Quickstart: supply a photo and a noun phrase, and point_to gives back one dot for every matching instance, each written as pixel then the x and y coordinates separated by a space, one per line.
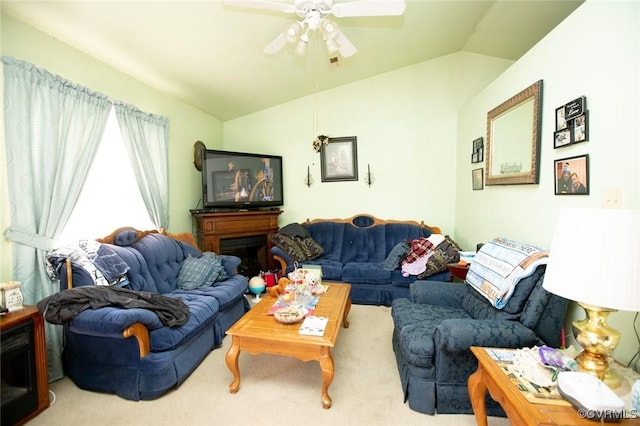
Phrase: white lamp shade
pixel 594 258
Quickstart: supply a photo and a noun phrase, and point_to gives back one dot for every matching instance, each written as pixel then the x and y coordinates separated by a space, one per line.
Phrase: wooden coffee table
pixel 257 332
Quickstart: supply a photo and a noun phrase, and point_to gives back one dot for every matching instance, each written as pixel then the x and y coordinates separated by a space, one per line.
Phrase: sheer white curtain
pixel 146 136
pixel 52 131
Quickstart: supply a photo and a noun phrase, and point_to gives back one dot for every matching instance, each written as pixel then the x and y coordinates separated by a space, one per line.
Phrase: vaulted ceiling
pixel 210 54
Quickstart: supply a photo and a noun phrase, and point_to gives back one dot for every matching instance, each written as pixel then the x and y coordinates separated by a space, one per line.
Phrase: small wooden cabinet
pixel 24 348
pixel 217 231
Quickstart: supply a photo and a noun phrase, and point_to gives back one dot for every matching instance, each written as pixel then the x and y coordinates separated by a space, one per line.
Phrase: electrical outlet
pixel 613 198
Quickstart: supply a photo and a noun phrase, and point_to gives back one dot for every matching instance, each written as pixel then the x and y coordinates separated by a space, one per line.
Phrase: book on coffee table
pixel 313 326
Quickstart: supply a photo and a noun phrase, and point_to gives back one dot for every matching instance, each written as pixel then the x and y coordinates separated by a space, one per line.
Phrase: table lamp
pixel 594 259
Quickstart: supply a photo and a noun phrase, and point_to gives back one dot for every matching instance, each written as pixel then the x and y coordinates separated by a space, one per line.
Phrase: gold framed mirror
pixel 513 139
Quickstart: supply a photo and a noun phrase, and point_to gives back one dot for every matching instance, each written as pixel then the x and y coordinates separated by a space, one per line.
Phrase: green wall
pixel 594 53
pixel 186 123
pixel 405 122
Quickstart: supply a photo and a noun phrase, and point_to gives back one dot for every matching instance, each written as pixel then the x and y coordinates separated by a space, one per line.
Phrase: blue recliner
pixel 436 325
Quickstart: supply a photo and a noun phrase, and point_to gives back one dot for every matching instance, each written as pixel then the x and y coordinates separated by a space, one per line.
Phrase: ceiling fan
pixel 314 16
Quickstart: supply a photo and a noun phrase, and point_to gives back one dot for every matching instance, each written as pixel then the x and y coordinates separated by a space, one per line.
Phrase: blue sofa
pixel 130 352
pixel 435 327
pixel 354 250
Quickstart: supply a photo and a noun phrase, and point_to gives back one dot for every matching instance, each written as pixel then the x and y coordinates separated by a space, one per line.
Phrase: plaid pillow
pixel 200 271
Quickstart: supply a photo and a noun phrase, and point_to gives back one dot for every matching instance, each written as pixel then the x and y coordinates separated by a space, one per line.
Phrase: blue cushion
pixel 202 313
pixel 365 273
pixel 227 292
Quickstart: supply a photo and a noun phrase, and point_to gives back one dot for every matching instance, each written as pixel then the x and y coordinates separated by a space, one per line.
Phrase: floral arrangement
pixel 319 141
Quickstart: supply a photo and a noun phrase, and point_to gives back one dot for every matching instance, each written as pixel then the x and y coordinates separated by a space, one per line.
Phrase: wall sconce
pixel 368 178
pixel 308 179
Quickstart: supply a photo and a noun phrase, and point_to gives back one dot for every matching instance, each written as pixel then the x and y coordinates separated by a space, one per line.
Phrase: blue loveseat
pixel 130 352
pixel 435 327
pixel 355 250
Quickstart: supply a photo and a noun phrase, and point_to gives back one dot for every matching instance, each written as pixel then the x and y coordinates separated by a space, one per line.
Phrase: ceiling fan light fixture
pixel 301 47
pixel 332 45
pixel 292 32
pixel 329 29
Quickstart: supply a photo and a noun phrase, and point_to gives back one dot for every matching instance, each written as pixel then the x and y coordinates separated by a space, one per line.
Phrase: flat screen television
pixel 240 180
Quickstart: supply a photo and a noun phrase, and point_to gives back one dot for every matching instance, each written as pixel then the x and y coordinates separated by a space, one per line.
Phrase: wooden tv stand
pixel 214 228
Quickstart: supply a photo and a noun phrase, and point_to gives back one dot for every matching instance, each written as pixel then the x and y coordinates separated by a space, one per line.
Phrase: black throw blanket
pixel 67 304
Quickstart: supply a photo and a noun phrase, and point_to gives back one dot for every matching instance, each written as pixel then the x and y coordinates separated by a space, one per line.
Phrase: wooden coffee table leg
pixel 327 367
pixel 477 392
pixel 231 360
pixel 347 308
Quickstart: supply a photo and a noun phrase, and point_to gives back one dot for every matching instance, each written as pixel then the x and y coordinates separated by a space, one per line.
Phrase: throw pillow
pixel 195 272
pixel 310 247
pixel 397 253
pixel 219 273
pixel 298 249
pixel 289 245
pixel 445 252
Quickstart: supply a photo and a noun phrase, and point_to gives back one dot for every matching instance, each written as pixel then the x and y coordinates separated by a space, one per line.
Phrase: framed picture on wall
pixel 561 138
pixel 477 154
pixel 339 160
pixel 477 179
pixel 572 123
pixel 572 175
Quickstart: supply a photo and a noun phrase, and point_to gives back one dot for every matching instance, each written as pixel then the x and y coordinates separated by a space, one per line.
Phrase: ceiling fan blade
pixel 368 8
pixel 346 48
pixel 261 4
pixel 276 45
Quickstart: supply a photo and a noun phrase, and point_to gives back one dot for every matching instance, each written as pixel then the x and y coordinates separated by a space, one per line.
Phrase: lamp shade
pixel 594 258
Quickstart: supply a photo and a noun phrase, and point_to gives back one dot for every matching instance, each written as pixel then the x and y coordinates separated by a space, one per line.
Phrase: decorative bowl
pixel 289 315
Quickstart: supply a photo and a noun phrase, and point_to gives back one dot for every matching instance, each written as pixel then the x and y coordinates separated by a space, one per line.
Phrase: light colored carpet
pixel 273 390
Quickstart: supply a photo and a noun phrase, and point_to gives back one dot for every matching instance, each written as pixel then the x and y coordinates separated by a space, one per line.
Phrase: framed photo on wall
pixel 477 154
pixel 572 175
pixel 339 160
pixel 477 179
pixel 572 123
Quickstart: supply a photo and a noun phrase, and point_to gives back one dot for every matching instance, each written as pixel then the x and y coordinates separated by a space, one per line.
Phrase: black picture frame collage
pixel 572 123
pixel 572 127
pixel 477 156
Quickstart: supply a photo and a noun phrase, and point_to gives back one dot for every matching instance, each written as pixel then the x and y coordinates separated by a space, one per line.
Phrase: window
pixel 110 197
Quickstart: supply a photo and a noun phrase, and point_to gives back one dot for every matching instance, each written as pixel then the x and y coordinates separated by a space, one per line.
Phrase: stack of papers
pixel 313 326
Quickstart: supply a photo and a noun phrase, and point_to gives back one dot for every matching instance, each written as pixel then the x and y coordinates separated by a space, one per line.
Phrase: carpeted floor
pixel 273 390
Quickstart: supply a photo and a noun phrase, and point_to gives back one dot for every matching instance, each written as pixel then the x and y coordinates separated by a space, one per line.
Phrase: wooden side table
pixel 457 270
pixel 490 377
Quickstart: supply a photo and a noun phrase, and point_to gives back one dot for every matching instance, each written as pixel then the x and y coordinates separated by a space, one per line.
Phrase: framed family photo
pixel 572 124
pixel 477 154
pixel 339 160
pixel 572 175
pixel 477 179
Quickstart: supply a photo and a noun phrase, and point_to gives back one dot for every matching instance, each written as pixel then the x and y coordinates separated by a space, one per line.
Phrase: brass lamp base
pixel 598 341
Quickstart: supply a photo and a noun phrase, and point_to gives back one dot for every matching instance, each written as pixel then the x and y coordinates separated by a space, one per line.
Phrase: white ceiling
pixel 210 55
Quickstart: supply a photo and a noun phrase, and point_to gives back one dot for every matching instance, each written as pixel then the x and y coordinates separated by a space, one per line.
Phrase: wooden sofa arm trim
pixel 69 273
pixel 283 263
pixel 140 332
pixel 377 221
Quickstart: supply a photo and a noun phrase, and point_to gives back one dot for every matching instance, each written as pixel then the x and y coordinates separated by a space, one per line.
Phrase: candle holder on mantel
pixel 368 179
